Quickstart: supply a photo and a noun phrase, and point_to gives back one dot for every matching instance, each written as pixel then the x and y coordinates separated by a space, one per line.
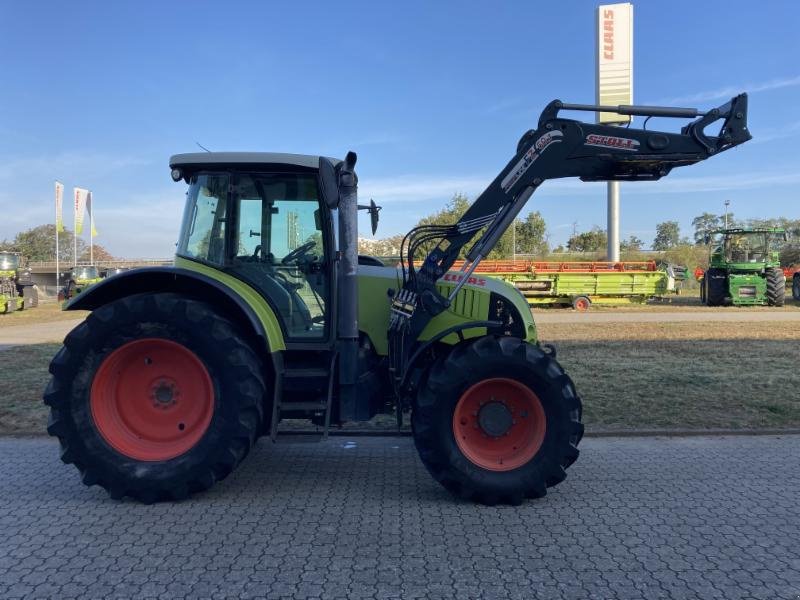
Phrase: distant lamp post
pixel 727 204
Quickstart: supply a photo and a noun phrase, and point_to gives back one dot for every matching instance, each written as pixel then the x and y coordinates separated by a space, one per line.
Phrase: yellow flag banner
pixel 80 206
pixel 59 207
pixel 91 214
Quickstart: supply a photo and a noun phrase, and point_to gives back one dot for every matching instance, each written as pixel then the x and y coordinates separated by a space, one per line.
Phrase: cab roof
pixel 200 160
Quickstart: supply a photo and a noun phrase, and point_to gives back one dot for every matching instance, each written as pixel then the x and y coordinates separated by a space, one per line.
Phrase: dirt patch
pixel 44 313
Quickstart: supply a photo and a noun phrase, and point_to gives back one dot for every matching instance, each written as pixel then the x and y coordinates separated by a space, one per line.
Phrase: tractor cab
pixel 263 219
pixel 85 274
pixel 9 262
pixel 110 272
pixel 747 248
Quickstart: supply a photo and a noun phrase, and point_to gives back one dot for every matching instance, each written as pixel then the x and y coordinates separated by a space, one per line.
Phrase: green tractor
pixel 745 269
pixel 17 291
pixel 80 278
pixel 269 313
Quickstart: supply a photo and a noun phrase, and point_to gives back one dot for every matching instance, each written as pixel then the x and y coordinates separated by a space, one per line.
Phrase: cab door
pixel 281 247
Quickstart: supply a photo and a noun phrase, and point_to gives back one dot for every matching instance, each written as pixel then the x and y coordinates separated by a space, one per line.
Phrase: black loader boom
pixel 557 148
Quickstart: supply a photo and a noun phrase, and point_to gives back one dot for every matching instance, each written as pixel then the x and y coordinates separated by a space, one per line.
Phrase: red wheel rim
pixel 582 304
pixel 152 399
pixel 515 435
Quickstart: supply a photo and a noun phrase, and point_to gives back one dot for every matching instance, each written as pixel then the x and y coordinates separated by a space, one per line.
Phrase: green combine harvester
pixel 268 313
pixel 17 291
pixel 745 269
pixel 80 278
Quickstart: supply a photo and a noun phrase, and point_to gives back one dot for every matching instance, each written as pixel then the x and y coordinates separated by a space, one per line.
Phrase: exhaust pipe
pixel 347 329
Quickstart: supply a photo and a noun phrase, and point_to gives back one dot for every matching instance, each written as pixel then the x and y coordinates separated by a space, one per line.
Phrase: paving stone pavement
pixel 636 518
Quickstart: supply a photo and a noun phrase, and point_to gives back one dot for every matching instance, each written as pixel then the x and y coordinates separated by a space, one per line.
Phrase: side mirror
pixel 707 238
pixel 328 180
pixel 373 214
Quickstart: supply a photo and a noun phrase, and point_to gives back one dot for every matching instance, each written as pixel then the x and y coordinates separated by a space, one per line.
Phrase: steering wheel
pixel 297 253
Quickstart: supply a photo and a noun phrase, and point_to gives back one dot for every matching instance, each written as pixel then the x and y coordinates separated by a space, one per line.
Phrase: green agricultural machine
pixel 80 278
pixel 268 313
pixel 583 284
pixel 17 291
pixel 745 268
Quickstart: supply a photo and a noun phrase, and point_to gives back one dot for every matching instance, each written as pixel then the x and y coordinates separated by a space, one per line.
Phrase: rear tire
pixel 166 425
pixel 796 287
pixel 776 287
pixel 716 282
pixel 503 467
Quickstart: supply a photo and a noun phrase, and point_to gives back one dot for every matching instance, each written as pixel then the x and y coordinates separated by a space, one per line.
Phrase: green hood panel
pixel 471 304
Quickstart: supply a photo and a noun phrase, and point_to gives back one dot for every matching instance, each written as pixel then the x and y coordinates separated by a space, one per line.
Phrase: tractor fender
pixel 241 303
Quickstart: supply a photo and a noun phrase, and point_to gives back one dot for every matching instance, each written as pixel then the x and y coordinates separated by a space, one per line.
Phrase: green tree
pixel 790 255
pixel 449 215
pixel 39 244
pixel 588 241
pixel 100 254
pixel 706 222
pixel 668 235
pixel 531 235
pixel 792 226
pixel 632 244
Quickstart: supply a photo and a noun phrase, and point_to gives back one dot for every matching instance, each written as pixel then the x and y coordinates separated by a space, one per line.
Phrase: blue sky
pixel 433 97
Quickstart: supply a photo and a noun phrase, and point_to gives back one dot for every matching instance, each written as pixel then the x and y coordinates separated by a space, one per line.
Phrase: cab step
pixel 281 407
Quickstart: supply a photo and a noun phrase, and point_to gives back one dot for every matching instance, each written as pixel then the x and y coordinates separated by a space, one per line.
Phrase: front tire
pixel 776 287
pixel 155 396
pixel 497 421
pixel 796 287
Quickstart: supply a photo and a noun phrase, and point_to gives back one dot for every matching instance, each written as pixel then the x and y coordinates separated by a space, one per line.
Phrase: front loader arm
pixel 557 148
